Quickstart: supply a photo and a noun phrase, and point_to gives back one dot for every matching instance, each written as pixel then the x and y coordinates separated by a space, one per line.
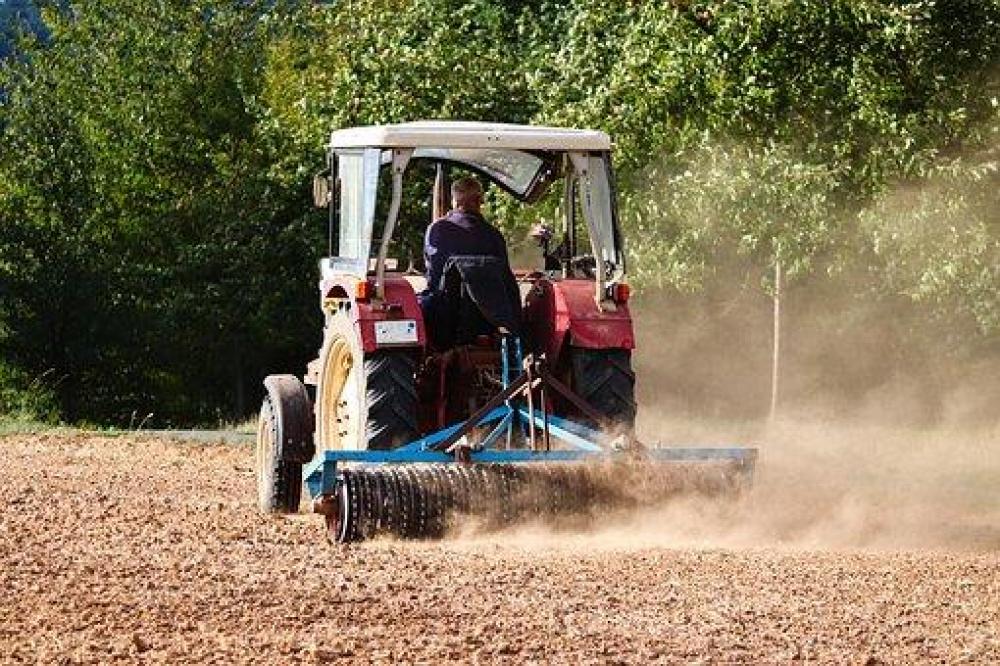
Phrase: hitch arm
pixel 577 401
pixel 473 421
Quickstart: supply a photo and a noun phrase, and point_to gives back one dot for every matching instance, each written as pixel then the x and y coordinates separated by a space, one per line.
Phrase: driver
pixel 463 231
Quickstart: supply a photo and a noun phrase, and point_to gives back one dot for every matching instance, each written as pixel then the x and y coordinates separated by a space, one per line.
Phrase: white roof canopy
pixel 461 134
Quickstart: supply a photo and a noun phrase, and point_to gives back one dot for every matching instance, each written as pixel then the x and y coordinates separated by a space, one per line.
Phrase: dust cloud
pixel 877 444
pixel 817 486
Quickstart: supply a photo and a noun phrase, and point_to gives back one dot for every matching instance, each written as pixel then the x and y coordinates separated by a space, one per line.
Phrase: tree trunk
pixel 776 336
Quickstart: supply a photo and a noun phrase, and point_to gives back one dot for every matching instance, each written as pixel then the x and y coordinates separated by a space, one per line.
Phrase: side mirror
pixel 321 189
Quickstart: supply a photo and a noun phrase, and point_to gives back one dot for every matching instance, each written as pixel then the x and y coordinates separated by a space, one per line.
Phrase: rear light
pixel 364 290
pixel 619 293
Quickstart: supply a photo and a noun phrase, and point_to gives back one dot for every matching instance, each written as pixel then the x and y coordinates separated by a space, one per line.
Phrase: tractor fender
pixel 561 311
pixel 294 418
pixel 339 298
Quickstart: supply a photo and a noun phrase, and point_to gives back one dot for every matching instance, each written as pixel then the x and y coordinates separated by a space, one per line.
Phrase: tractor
pixel 390 430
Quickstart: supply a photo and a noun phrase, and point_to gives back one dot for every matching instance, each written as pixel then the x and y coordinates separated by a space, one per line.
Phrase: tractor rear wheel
pixel 392 399
pixel 604 378
pixel 279 480
pixel 364 400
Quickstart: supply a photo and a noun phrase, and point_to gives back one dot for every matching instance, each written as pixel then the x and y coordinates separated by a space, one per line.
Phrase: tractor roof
pixel 462 134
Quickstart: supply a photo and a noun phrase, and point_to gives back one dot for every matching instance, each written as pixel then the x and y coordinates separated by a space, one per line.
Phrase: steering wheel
pixel 586 265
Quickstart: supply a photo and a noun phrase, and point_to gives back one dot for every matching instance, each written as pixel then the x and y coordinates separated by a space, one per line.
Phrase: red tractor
pixel 378 384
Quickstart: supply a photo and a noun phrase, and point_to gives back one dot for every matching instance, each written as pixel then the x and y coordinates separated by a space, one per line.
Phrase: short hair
pixel 465 188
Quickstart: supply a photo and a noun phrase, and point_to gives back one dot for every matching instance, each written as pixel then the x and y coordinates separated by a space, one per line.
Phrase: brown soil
pixel 123 549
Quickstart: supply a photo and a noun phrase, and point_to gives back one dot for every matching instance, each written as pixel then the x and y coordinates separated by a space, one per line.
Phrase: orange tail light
pixel 364 290
pixel 620 293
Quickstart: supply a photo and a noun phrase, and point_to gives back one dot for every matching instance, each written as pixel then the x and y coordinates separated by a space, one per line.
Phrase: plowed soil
pixel 122 549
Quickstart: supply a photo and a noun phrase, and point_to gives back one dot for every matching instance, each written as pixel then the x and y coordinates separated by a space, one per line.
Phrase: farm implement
pixel 405 421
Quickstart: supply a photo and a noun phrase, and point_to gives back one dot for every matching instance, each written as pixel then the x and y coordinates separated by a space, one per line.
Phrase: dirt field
pixel 114 549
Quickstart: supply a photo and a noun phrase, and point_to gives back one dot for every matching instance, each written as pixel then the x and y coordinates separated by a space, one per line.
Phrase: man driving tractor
pixel 466 256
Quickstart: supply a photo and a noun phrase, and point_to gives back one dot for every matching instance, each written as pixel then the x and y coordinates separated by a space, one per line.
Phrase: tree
pixel 159 252
pixel 149 249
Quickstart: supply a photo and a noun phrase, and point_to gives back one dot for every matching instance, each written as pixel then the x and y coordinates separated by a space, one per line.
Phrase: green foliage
pixel 763 132
pixel 635 70
pixel 375 61
pixel 158 251
pixel 940 244
pixel 147 248
pixel 760 204
pixel 26 400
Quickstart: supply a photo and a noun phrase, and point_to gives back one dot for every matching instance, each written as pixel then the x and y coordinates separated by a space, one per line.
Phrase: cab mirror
pixel 321 190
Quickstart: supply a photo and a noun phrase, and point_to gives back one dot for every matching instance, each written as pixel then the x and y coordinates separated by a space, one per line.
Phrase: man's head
pixel 467 195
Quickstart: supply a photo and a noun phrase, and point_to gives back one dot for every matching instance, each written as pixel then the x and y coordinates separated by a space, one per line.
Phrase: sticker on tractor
pixel 395 332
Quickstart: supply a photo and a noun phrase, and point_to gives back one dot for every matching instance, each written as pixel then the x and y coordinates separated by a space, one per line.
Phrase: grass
pixel 248 426
pixel 18 424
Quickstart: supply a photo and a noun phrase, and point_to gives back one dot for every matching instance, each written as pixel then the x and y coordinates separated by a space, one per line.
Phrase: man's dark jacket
pixel 459 233
pixel 462 237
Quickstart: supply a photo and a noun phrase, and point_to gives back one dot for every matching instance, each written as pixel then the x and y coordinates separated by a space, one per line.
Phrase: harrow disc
pixel 420 501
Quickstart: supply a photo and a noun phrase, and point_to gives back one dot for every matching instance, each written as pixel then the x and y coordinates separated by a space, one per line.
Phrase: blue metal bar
pixel 557 430
pixel 505 362
pixel 401 455
pixel 443 434
pixel 486 455
pixel 320 475
pixel 521 455
pixel 519 358
pixel 580 430
pixel 501 429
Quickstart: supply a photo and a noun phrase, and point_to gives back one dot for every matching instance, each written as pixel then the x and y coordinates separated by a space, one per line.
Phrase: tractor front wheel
pixel 365 401
pixel 279 480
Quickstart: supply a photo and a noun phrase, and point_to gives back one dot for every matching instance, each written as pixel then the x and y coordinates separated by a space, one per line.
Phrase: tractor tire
pixel 364 400
pixel 279 480
pixel 293 410
pixel 392 399
pixel 605 380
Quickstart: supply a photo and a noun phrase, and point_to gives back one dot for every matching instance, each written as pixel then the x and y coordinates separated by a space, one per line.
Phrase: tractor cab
pixel 369 163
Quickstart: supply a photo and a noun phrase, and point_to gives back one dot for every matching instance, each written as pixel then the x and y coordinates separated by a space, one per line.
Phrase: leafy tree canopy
pixel 158 251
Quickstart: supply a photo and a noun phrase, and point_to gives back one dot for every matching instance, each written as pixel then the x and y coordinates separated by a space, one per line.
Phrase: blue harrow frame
pixel 514 409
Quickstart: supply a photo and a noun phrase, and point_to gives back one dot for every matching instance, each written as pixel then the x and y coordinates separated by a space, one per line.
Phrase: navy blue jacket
pixel 459 233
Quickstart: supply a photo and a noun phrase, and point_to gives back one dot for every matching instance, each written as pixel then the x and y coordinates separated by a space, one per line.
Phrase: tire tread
pixel 392 399
pixel 283 478
pixel 605 380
